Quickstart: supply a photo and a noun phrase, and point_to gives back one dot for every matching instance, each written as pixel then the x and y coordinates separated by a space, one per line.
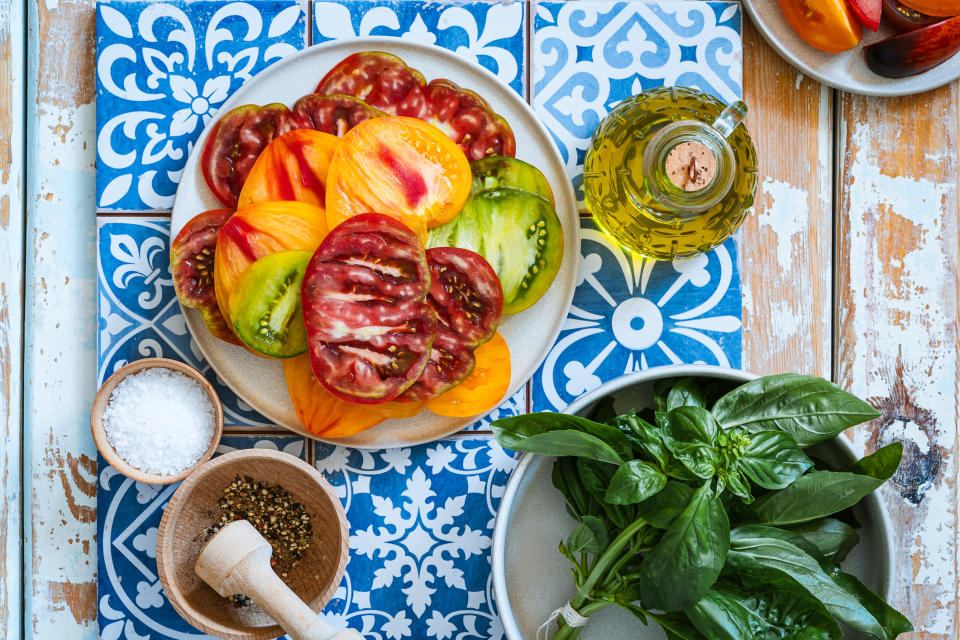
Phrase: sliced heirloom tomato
pixel 943 8
pixel 236 141
pixel 192 265
pixel 335 114
pixel 292 167
pixel 498 172
pixel 385 82
pixel 368 326
pixel 258 230
pixel 265 307
pixel 466 296
pixel 327 416
pixel 828 25
pixel 483 389
pixel 518 233
pixel 403 167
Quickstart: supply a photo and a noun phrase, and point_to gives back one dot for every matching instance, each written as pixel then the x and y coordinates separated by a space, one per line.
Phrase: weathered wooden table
pixel 849 268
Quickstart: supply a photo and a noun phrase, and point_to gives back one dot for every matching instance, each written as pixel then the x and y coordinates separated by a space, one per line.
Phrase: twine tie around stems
pixel 570 615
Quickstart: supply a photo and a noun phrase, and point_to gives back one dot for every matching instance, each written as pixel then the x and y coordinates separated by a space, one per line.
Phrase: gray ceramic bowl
pixel 531 578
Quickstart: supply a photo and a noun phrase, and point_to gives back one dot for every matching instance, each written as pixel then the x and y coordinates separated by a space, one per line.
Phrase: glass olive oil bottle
pixel 671 172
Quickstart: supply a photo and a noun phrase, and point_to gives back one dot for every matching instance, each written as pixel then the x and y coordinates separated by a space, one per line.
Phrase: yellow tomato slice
pixel 292 167
pixel 483 389
pixel 325 415
pixel 828 25
pixel 401 167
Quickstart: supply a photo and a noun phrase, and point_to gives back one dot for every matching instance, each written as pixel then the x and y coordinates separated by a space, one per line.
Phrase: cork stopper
pixel 690 166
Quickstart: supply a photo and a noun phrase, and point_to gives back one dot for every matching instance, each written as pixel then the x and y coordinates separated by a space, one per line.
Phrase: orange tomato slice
pixel 483 389
pixel 330 417
pixel 828 25
pixel 934 7
pixel 401 167
pixel 292 167
pixel 258 230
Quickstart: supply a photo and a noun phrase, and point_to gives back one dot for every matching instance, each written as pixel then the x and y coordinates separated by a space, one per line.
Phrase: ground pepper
pixel 282 521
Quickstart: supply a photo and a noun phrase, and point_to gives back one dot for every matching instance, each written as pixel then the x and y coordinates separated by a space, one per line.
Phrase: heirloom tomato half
pixel 483 389
pixel 402 167
pixel 258 230
pixel 326 415
pixel 828 25
pixel 368 326
pixel 192 264
pixel 292 167
pixel 335 114
pixel 236 141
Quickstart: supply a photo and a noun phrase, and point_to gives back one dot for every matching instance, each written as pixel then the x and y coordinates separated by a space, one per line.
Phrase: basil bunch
pixel 705 515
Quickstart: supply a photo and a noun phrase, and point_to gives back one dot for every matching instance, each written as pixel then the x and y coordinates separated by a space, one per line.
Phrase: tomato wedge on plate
pixel 258 230
pixel 292 167
pixel 483 389
pixel 236 141
pixel 368 327
pixel 328 416
pixel 399 166
pixel 828 25
pixel 335 114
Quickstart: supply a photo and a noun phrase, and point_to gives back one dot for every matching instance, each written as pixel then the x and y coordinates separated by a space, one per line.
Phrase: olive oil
pixel 671 172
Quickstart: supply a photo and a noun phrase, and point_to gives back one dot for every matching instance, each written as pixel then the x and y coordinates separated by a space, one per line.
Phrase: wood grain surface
pixel 896 338
pixel 11 310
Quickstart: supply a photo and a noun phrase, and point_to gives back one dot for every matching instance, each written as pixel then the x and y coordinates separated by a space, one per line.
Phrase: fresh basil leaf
pixel 644 437
pixel 881 464
pixel 834 539
pixel 893 622
pixel 719 616
pixel 603 410
pixel 559 434
pixel 595 476
pixel 689 557
pixel 809 409
pixel 760 531
pixel 633 482
pixel 590 536
pixel 812 496
pixel 676 626
pixel 761 556
pixel 687 392
pixel 566 478
pixel 660 509
pixel 689 433
pixel 736 484
pixel 661 389
pixel 773 459
pixel 782 604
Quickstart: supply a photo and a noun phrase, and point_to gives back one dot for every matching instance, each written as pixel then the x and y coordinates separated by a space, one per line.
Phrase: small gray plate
pixel 848 70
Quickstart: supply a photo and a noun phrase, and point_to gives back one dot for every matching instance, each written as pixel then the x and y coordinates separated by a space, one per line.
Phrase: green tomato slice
pixel 265 307
pixel 518 233
pixel 497 172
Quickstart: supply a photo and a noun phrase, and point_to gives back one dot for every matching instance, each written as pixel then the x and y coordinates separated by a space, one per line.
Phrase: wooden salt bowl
pixel 192 509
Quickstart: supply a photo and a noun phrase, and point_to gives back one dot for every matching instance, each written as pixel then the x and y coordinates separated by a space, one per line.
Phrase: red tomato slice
pixel 385 82
pixel 465 292
pixel 236 141
pixel 292 167
pixel 399 166
pixel 451 361
pixel 192 264
pixel 330 417
pixel 258 230
pixel 483 389
pixel 335 114
pixel 368 326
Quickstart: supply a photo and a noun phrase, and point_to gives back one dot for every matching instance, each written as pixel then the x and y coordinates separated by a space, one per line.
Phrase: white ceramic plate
pixel 531 578
pixel 529 334
pixel 848 70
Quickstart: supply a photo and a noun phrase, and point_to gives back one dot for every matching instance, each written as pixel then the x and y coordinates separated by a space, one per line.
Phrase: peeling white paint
pixel 786 215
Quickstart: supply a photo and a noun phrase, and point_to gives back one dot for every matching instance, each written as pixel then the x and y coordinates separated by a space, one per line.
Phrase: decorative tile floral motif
pixel 421 521
pixel 630 313
pixel 586 56
pixel 489 33
pixel 139 316
pixel 131 602
pixel 163 69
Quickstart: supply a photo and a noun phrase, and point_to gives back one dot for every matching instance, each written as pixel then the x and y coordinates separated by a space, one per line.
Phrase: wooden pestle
pixel 237 560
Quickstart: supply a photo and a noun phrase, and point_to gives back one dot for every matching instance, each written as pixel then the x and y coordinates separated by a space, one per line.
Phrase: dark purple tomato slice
pixel 451 361
pixel 385 82
pixel 236 141
pixel 335 114
pixel 191 263
pixel 903 18
pixel 466 293
pixel 913 52
pixel 369 327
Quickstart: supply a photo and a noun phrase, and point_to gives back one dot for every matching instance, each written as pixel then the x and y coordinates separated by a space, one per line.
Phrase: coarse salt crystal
pixel 159 421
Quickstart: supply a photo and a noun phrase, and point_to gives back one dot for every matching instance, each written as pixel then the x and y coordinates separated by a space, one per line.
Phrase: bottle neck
pixel 688 167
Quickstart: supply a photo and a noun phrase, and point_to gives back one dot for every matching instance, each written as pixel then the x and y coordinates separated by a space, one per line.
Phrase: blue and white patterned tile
pixel 139 316
pixel 131 601
pixel 492 34
pixel 587 56
pixel 163 69
pixel 421 521
pixel 630 313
